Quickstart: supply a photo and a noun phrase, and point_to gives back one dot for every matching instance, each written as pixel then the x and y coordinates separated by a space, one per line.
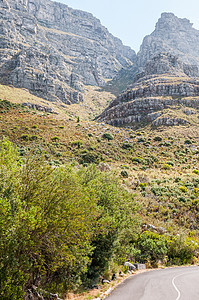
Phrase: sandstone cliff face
pixel 171 35
pixel 54 51
pixel 166 83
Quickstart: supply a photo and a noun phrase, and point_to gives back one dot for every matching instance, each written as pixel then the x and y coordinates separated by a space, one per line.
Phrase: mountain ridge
pixel 171 35
pixel 54 51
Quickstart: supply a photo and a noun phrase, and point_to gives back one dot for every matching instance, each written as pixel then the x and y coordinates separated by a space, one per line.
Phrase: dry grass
pixel 94 102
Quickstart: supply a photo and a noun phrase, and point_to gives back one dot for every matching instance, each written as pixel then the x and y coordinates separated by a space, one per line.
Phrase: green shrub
pixel 188 142
pixel 196 172
pixel 167 144
pixel 153 247
pixel 127 146
pixel 90 157
pixel 143 185
pixel 183 189
pixel 107 136
pixel 124 174
pixel 55 138
pixel 182 199
pixel 137 159
pixel 166 166
pixel 78 143
pixel 141 140
pixel 157 139
pixel 33 138
pixel 25 137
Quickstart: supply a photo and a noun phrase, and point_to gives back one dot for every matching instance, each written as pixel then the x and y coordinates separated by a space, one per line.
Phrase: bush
pixel 127 146
pixel 153 247
pixel 90 157
pixel 33 138
pixel 183 189
pixel 143 185
pixel 124 174
pixel 137 159
pixel 55 138
pixel 181 250
pixel 57 224
pixel 25 137
pixel 77 143
pixel 166 166
pixel 157 139
pixel 107 136
pixel 196 172
pixel 188 142
pixel 182 199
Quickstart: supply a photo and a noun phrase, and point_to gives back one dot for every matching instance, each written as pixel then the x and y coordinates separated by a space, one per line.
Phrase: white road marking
pixel 175 287
pixel 173 282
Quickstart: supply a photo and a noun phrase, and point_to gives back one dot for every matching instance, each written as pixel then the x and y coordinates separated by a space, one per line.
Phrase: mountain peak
pixel 169 21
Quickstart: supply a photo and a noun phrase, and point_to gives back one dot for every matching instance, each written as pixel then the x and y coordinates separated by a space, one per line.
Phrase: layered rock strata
pixel 154 92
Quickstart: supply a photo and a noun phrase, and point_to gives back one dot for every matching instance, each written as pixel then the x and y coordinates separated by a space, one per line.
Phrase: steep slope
pixel 53 50
pixel 165 93
pixel 171 35
pixel 174 35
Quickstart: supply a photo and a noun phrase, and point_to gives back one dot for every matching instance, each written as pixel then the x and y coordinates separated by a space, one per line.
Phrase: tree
pixel 117 222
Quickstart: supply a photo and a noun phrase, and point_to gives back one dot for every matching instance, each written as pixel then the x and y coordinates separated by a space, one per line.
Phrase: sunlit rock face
pixel 165 83
pixel 171 35
pixel 54 50
pixel 174 35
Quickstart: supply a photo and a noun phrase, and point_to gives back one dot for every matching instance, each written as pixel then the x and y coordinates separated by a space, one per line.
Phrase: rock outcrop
pixel 165 83
pixel 53 50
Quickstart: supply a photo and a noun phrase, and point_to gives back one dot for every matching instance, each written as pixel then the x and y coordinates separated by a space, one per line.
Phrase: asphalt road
pixel 181 283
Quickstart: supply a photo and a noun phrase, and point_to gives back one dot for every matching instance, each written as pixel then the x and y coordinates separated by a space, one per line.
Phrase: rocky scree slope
pixel 171 35
pixel 163 94
pixel 53 50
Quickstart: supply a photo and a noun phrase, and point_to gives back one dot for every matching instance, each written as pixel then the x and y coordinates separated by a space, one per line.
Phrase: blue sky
pixel 131 20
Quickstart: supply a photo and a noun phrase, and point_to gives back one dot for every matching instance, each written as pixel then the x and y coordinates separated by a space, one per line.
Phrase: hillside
pixel 157 161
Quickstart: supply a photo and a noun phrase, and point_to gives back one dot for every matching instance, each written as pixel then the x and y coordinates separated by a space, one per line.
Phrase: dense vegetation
pixel 78 199
pixel 58 223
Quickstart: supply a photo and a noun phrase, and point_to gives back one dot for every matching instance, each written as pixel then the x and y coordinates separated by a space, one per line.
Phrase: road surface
pixel 181 283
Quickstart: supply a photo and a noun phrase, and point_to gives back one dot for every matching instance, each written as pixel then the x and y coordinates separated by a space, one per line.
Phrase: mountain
pixel 165 93
pixel 54 51
pixel 78 198
pixel 171 35
pixel 163 83
pixel 174 35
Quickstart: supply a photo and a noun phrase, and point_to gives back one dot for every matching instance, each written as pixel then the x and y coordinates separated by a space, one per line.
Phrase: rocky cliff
pixel 171 35
pixel 54 50
pixel 165 83
pixel 174 35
